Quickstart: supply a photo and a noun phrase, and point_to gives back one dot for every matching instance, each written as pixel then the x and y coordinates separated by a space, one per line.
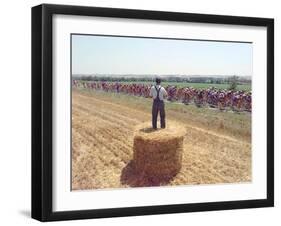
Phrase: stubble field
pixel 217 146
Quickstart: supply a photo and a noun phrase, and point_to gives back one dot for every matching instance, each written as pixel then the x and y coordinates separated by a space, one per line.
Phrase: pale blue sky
pixel 125 55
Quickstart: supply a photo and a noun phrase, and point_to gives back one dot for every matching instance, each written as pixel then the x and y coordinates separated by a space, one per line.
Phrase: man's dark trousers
pixel 158 106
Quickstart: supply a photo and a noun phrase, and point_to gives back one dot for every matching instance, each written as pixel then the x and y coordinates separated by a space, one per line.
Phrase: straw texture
pixel 158 153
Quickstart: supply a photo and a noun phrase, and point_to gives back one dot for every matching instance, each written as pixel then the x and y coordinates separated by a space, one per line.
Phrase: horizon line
pixel 132 74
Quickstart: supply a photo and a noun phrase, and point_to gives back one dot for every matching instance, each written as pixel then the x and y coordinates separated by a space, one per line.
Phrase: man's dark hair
pixel 158 80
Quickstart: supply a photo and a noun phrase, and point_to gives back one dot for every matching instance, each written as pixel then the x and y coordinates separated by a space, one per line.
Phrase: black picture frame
pixel 42 107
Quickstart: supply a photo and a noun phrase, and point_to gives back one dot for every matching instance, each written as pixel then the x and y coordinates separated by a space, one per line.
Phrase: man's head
pixel 158 81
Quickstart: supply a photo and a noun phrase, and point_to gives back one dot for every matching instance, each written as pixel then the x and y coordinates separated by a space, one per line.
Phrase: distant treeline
pixel 210 80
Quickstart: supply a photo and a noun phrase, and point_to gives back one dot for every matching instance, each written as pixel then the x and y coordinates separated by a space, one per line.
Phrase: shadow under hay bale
pixel 133 178
pixel 157 155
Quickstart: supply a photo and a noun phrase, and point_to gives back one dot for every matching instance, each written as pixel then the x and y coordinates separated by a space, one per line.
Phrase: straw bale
pixel 158 153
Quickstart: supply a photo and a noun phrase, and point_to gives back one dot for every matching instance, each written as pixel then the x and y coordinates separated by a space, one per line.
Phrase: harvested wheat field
pixel 216 145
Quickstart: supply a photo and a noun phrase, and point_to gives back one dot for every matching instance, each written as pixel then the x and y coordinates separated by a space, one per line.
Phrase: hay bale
pixel 158 153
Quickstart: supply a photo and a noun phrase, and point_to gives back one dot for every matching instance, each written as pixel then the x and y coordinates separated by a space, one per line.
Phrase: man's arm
pixel 165 94
pixel 151 91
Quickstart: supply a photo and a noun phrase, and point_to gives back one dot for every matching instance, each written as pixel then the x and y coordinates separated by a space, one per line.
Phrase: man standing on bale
pixel 158 93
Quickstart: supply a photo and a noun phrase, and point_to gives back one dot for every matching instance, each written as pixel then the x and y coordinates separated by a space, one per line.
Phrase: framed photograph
pixel 139 112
